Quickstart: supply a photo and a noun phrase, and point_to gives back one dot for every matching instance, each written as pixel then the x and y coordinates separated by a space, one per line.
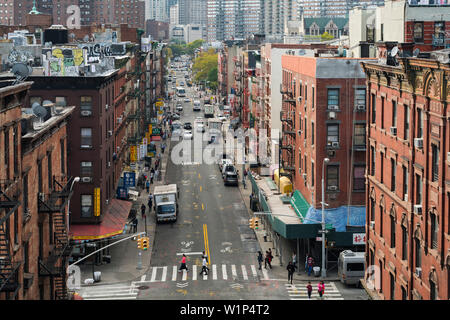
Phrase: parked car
pixel 200 127
pixel 175 116
pixel 187 135
pixel 187 100
pixel 223 162
pixel 227 168
pixel 231 178
pixel 187 126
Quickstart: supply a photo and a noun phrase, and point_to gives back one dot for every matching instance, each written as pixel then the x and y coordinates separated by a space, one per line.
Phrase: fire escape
pixel 9 203
pixel 287 117
pixel 54 265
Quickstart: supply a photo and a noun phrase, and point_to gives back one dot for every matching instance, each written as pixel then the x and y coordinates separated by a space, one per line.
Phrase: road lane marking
pixel 143 278
pixel 194 272
pixel 255 274
pixel 266 275
pixel 154 271
pixel 224 272
pixel 188 253
pixel 184 275
pixel 233 271
pixel 205 235
pixel 174 273
pixel 214 272
pixel 164 274
pixel 244 272
pixel 200 188
pixel 203 207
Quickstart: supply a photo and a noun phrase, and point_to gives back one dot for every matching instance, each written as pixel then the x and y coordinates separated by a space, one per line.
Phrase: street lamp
pixel 324 271
pixel 76 179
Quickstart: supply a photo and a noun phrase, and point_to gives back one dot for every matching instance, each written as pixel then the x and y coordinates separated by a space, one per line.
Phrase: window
pixel 419 123
pixel 306 165
pixel 25 193
pixel 16 151
pixel 439 33
pixel 405 183
pixel 306 128
pixel 360 95
pixel 86 137
pixel 434 163
pixel 406 128
pixel 40 187
pixel 49 170
pixel 382 112
pixel 312 133
pixel 392 231
pixel 404 243
pixel 392 288
pixel 382 32
pixel 358 178
pixel 394 114
pixel 418 189
pixel 418 32
pixel 404 294
pixel 393 174
pixel 355 266
pixel 372 159
pixel 374 108
pixel 332 177
pixel 312 174
pixel 333 98
pixel 26 258
pixel 63 153
pixel 360 135
pixel 312 98
pixel 60 101
pixel 372 209
pixel 35 99
pixel 381 221
pixel 381 275
pixel 86 103
pixel 16 227
pixel 86 205
pixel 434 231
pixel 86 169
pixel 418 260
pixel 433 290
pixel 370 33
pixel 382 168
pixel 332 133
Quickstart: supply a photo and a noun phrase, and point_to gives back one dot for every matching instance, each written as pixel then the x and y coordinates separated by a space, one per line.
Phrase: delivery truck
pixel 166 202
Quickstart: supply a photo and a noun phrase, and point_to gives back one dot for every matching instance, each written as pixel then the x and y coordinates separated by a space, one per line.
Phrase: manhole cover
pixel 143 287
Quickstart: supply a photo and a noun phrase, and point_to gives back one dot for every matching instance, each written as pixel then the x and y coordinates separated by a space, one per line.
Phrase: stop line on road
pixel 299 292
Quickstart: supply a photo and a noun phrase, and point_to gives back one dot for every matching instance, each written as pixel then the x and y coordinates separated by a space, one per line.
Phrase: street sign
pixel 133 153
pixel 129 179
pixel 359 238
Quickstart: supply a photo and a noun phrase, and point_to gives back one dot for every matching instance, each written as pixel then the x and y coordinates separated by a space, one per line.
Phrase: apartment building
pixel 408 176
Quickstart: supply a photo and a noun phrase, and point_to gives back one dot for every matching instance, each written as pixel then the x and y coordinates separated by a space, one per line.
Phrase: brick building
pixel 323 116
pixel 408 177
pixel 34 191
pixel 158 30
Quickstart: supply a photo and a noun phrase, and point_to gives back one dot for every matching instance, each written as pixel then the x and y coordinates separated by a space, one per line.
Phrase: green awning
pixel 299 204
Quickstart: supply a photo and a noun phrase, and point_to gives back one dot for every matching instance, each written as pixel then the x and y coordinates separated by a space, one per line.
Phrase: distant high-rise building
pixel 229 19
pixel 333 8
pixel 174 14
pixel 277 13
pixel 192 11
pixel 91 12
pixel 156 10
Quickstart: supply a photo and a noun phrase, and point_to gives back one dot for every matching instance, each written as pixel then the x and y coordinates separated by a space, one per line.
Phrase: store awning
pixel 300 204
pixel 113 223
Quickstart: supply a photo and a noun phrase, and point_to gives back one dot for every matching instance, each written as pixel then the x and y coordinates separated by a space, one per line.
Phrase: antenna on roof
pixel 21 71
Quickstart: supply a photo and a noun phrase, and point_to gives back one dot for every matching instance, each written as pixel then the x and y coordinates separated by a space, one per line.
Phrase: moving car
pixel 179 107
pixel 187 100
pixel 187 135
pixel 197 105
pixel 228 168
pixel 223 162
pixel 231 178
pixel 200 127
pixel 175 116
pixel 187 126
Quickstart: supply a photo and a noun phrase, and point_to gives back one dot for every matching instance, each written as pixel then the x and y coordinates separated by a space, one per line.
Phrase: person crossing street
pixel 183 264
pixel 205 269
pixel 260 259
pixel 291 269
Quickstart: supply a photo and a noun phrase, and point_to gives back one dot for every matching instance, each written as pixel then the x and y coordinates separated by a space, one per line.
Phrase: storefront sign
pixel 129 179
pixel 97 202
pixel 133 153
pixel 359 238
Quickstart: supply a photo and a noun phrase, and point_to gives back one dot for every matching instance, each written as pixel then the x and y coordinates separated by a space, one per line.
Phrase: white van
pixel 197 105
pixel 351 267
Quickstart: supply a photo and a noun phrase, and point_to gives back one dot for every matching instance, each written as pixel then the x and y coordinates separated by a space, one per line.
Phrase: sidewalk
pixel 277 271
pixel 124 256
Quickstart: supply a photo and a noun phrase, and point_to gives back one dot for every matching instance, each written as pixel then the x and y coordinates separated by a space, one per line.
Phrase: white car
pixel 187 100
pixel 200 127
pixel 223 162
pixel 187 135
pixel 222 118
pixel 179 108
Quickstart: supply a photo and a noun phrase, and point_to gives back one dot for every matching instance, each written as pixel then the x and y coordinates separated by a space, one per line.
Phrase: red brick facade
pixel 408 218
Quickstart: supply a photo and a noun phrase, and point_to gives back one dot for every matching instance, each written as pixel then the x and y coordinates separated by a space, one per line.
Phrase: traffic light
pixel 251 223
pixel 140 243
pixel 145 242
pixel 256 222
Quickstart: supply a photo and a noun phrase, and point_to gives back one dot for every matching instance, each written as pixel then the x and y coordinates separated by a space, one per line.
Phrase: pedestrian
pixel 260 259
pixel 309 289
pixel 143 210
pixel 294 260
pixel 321 288
pixel 156 164
pixel 306 262
pixel 157 175
pixel 150 203
pixel 245 174
pixel 147 185
pixel 183 264
pixel 205 269
pixel 268 259
pixel 151 176
pixel 163 146
pixel 291 269
pixel 310 265
pixel 204 256
pixel 135 224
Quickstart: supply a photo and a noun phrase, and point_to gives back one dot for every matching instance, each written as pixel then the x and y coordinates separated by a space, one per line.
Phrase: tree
pixel 205 67
pixel 326 36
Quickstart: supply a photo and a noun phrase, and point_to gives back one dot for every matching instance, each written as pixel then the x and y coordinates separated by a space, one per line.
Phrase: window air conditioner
pixel 106 107
pixel 299 99
pixel 372 224
pixel 86 113
pixel 332 188
pixel 418 143
pixel 418 209
pixel 394 131
pixel 332 115
pixel 110 133
pixel 333 107
pixel 86 179
pixel 41 196
pixel 109 164
pixel 335 144
pixel 448 156
pixel 331 153
pixel 418 272
pixel 361 107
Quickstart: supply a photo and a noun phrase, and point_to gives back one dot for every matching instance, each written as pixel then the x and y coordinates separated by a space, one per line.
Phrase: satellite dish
pixel 38 110
pixel 416 52
pixel 394 51
pixel 21 71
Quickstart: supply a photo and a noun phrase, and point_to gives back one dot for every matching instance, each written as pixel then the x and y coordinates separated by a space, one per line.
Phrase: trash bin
pixel 97 276
pixel 316 271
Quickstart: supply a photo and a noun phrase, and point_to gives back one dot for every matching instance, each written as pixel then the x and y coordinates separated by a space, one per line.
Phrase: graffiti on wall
pixel 104 49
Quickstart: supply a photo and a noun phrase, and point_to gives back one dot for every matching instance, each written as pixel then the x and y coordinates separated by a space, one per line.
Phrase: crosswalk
pixel 110 292
pixel 298 291
pixel 216 272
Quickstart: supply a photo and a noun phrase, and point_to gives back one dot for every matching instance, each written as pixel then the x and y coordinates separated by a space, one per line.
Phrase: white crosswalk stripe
pixel 109 292
pixel 237 272
pixel 298 291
